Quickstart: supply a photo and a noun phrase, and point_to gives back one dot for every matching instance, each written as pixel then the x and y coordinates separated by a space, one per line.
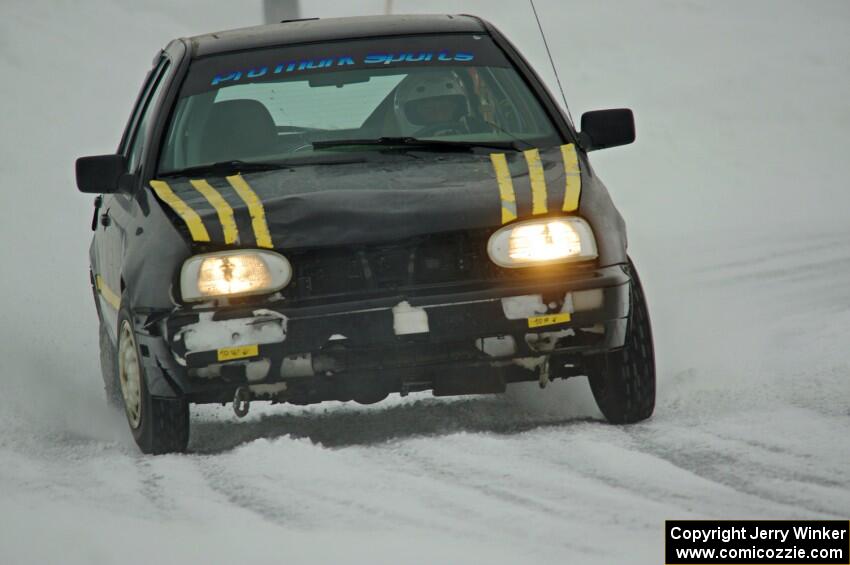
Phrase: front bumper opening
pixel 471 342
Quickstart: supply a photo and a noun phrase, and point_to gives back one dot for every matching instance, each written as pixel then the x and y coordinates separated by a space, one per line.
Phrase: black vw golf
pixel 343 209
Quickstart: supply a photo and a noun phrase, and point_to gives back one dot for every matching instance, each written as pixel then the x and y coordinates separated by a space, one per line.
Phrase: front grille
pixel 432 263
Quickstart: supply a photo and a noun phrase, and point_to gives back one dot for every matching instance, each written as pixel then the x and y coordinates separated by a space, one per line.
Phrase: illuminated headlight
pixel 233 273
pixel 542 242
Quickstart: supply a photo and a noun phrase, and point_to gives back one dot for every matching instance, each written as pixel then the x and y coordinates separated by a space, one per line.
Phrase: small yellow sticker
pixel 238 352
pixel 548 320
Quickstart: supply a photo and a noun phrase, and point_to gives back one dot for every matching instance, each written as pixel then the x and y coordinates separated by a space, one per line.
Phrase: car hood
pixel 365 202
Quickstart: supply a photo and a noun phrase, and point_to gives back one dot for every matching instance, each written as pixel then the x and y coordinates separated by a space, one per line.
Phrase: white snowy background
pixel 737 198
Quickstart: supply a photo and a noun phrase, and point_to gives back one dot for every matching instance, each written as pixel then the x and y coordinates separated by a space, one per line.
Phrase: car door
pixel 115 212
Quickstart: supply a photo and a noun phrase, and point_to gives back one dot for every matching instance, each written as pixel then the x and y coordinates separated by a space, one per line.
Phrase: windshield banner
pixel 306 61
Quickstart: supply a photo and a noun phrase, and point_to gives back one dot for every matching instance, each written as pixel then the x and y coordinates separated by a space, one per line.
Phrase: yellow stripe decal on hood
pixel 107 293
pixel 506 187
pixel 255 208
pixel 539 204
pixel 192 219
pixel 222 208
pixel 573 174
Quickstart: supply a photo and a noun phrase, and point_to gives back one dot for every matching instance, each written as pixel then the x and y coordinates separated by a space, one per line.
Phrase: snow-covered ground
pixel 738 202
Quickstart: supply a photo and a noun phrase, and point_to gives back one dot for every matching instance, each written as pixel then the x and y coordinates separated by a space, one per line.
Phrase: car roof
pixel 331 29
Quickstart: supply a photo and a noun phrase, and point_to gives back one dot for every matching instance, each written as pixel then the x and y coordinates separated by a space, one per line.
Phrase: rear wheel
pixel 159 425
pixel 623 381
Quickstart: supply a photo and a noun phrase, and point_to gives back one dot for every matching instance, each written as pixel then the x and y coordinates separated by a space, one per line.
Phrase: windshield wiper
pixel 225 167
pixel 421 144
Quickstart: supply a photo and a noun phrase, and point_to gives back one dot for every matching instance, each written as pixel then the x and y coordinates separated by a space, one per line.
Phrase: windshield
pixel 313 102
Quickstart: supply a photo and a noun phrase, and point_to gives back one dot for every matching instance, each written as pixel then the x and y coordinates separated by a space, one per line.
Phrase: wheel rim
pixel 129 374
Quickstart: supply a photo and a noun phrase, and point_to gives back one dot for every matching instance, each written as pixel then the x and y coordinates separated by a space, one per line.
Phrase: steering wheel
pixel 507 116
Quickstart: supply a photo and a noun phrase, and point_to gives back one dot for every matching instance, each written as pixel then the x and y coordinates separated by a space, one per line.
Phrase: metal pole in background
pixel 388 7
pixel 275 11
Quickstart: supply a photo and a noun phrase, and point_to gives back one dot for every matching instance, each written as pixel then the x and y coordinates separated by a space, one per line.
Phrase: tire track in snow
pixel 304 503
pixel 219 478
pixel 761 253
pixel 507 501
pixel 735 463
pixel 153 475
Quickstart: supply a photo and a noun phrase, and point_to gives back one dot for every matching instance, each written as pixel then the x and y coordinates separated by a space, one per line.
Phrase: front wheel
pixel 159 425
pixel 623 381
pixel 108 367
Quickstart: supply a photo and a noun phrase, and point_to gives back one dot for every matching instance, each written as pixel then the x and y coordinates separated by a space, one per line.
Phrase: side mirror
pixel 602 129
pixel 100 174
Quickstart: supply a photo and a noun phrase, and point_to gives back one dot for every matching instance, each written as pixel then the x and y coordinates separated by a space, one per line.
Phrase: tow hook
pixel 241 402
pixel 544 373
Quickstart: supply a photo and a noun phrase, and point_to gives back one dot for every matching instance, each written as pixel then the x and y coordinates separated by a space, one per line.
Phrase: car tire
pixel 159 425
pixel 108 366
pixel 623 381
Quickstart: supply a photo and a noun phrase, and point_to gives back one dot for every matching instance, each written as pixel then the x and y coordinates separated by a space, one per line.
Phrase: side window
pixel 136 141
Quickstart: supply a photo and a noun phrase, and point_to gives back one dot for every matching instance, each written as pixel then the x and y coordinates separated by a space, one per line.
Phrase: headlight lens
pixel 233 273
pixel 542 242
